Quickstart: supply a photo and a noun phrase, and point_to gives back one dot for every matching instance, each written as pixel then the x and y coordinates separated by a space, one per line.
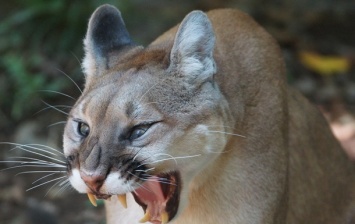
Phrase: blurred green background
pixel 41 43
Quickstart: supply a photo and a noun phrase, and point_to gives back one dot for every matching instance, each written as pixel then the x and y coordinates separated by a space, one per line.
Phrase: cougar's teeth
pixel 122 198
pixel 92 199
pixel 164 218
pixel 145 218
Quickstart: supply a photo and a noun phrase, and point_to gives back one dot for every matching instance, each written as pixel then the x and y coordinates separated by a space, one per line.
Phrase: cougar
pixel 201 127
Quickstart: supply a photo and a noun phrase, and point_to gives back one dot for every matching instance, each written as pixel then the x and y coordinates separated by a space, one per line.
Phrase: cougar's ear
pixel 106 33
pixel 192 52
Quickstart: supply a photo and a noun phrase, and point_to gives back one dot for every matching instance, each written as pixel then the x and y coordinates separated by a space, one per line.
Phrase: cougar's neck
pixel 209 193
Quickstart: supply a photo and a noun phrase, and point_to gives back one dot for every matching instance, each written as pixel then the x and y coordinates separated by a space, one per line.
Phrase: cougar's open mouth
pixel 159 196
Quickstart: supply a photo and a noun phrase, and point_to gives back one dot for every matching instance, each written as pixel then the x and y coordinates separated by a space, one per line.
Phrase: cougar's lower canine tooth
pixel 164 218
pixel 145 218
pixel 92 199
pixel 122 198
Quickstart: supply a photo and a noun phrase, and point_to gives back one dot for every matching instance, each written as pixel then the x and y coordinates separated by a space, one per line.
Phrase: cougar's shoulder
pixel 321 176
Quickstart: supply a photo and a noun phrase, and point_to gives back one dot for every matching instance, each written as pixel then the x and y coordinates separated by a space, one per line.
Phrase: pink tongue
pixel 151 191
pixel 151 194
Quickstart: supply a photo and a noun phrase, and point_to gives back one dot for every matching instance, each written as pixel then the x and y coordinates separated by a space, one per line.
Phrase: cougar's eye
pixel 138 131
pixel 83 129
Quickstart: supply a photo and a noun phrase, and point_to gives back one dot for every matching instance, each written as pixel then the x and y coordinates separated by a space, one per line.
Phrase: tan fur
pixel 288 167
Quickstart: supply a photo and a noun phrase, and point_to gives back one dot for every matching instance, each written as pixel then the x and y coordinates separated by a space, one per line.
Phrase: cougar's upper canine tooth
pixel 92 199
pixel 164 218
pixel 145 218
pixel 122 198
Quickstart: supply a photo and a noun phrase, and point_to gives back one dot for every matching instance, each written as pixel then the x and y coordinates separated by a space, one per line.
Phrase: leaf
pixel 324 65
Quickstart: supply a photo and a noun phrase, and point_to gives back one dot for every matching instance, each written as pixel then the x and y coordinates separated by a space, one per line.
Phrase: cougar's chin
pixel 159 196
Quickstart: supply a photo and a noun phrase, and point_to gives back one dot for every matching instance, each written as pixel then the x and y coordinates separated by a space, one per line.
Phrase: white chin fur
pixel 77 182
pixel 113 184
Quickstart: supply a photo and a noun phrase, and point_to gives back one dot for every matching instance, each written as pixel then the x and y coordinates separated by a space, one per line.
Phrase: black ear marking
pixel 106 33
pixel 107 30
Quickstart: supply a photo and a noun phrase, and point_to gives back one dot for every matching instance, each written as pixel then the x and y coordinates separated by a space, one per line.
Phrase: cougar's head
pixel 149 119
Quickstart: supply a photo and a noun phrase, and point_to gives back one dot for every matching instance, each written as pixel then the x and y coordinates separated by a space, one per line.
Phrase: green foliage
pixel 37 37
pixel 26 85
pixel 40 37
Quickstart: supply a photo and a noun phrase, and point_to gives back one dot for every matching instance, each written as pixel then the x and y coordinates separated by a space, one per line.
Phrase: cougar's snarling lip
pixel 159 196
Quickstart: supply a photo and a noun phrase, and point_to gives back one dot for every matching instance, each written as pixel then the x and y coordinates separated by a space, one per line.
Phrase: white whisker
pixel 31 146
pixel 161 160
pixel 63 182
pixel 45 183
pixel 145 171
pixel 77 86
pixel 61 111
pixel 18 161
pixel 46 146
pixel 159 181
pixel 46 171
pixel 131 189
pixel 30 162
pixel 33 160
pixel 37 165
pixel 57 123
pixel 63 186
pixel 152 180
pixel 55 184
pixel 77 59
pixel 153 168
pixel 140 185
pixel 160 178
pixel 40 154
pixel 41 178
pixel 140 99
pixel 227 133
pixel 135 156
pixel 165 154
pixel 221 126
pixel 53 106
pixel 52 91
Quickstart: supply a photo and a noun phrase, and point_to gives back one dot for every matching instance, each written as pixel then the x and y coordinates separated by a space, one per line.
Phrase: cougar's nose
pixel 94 181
